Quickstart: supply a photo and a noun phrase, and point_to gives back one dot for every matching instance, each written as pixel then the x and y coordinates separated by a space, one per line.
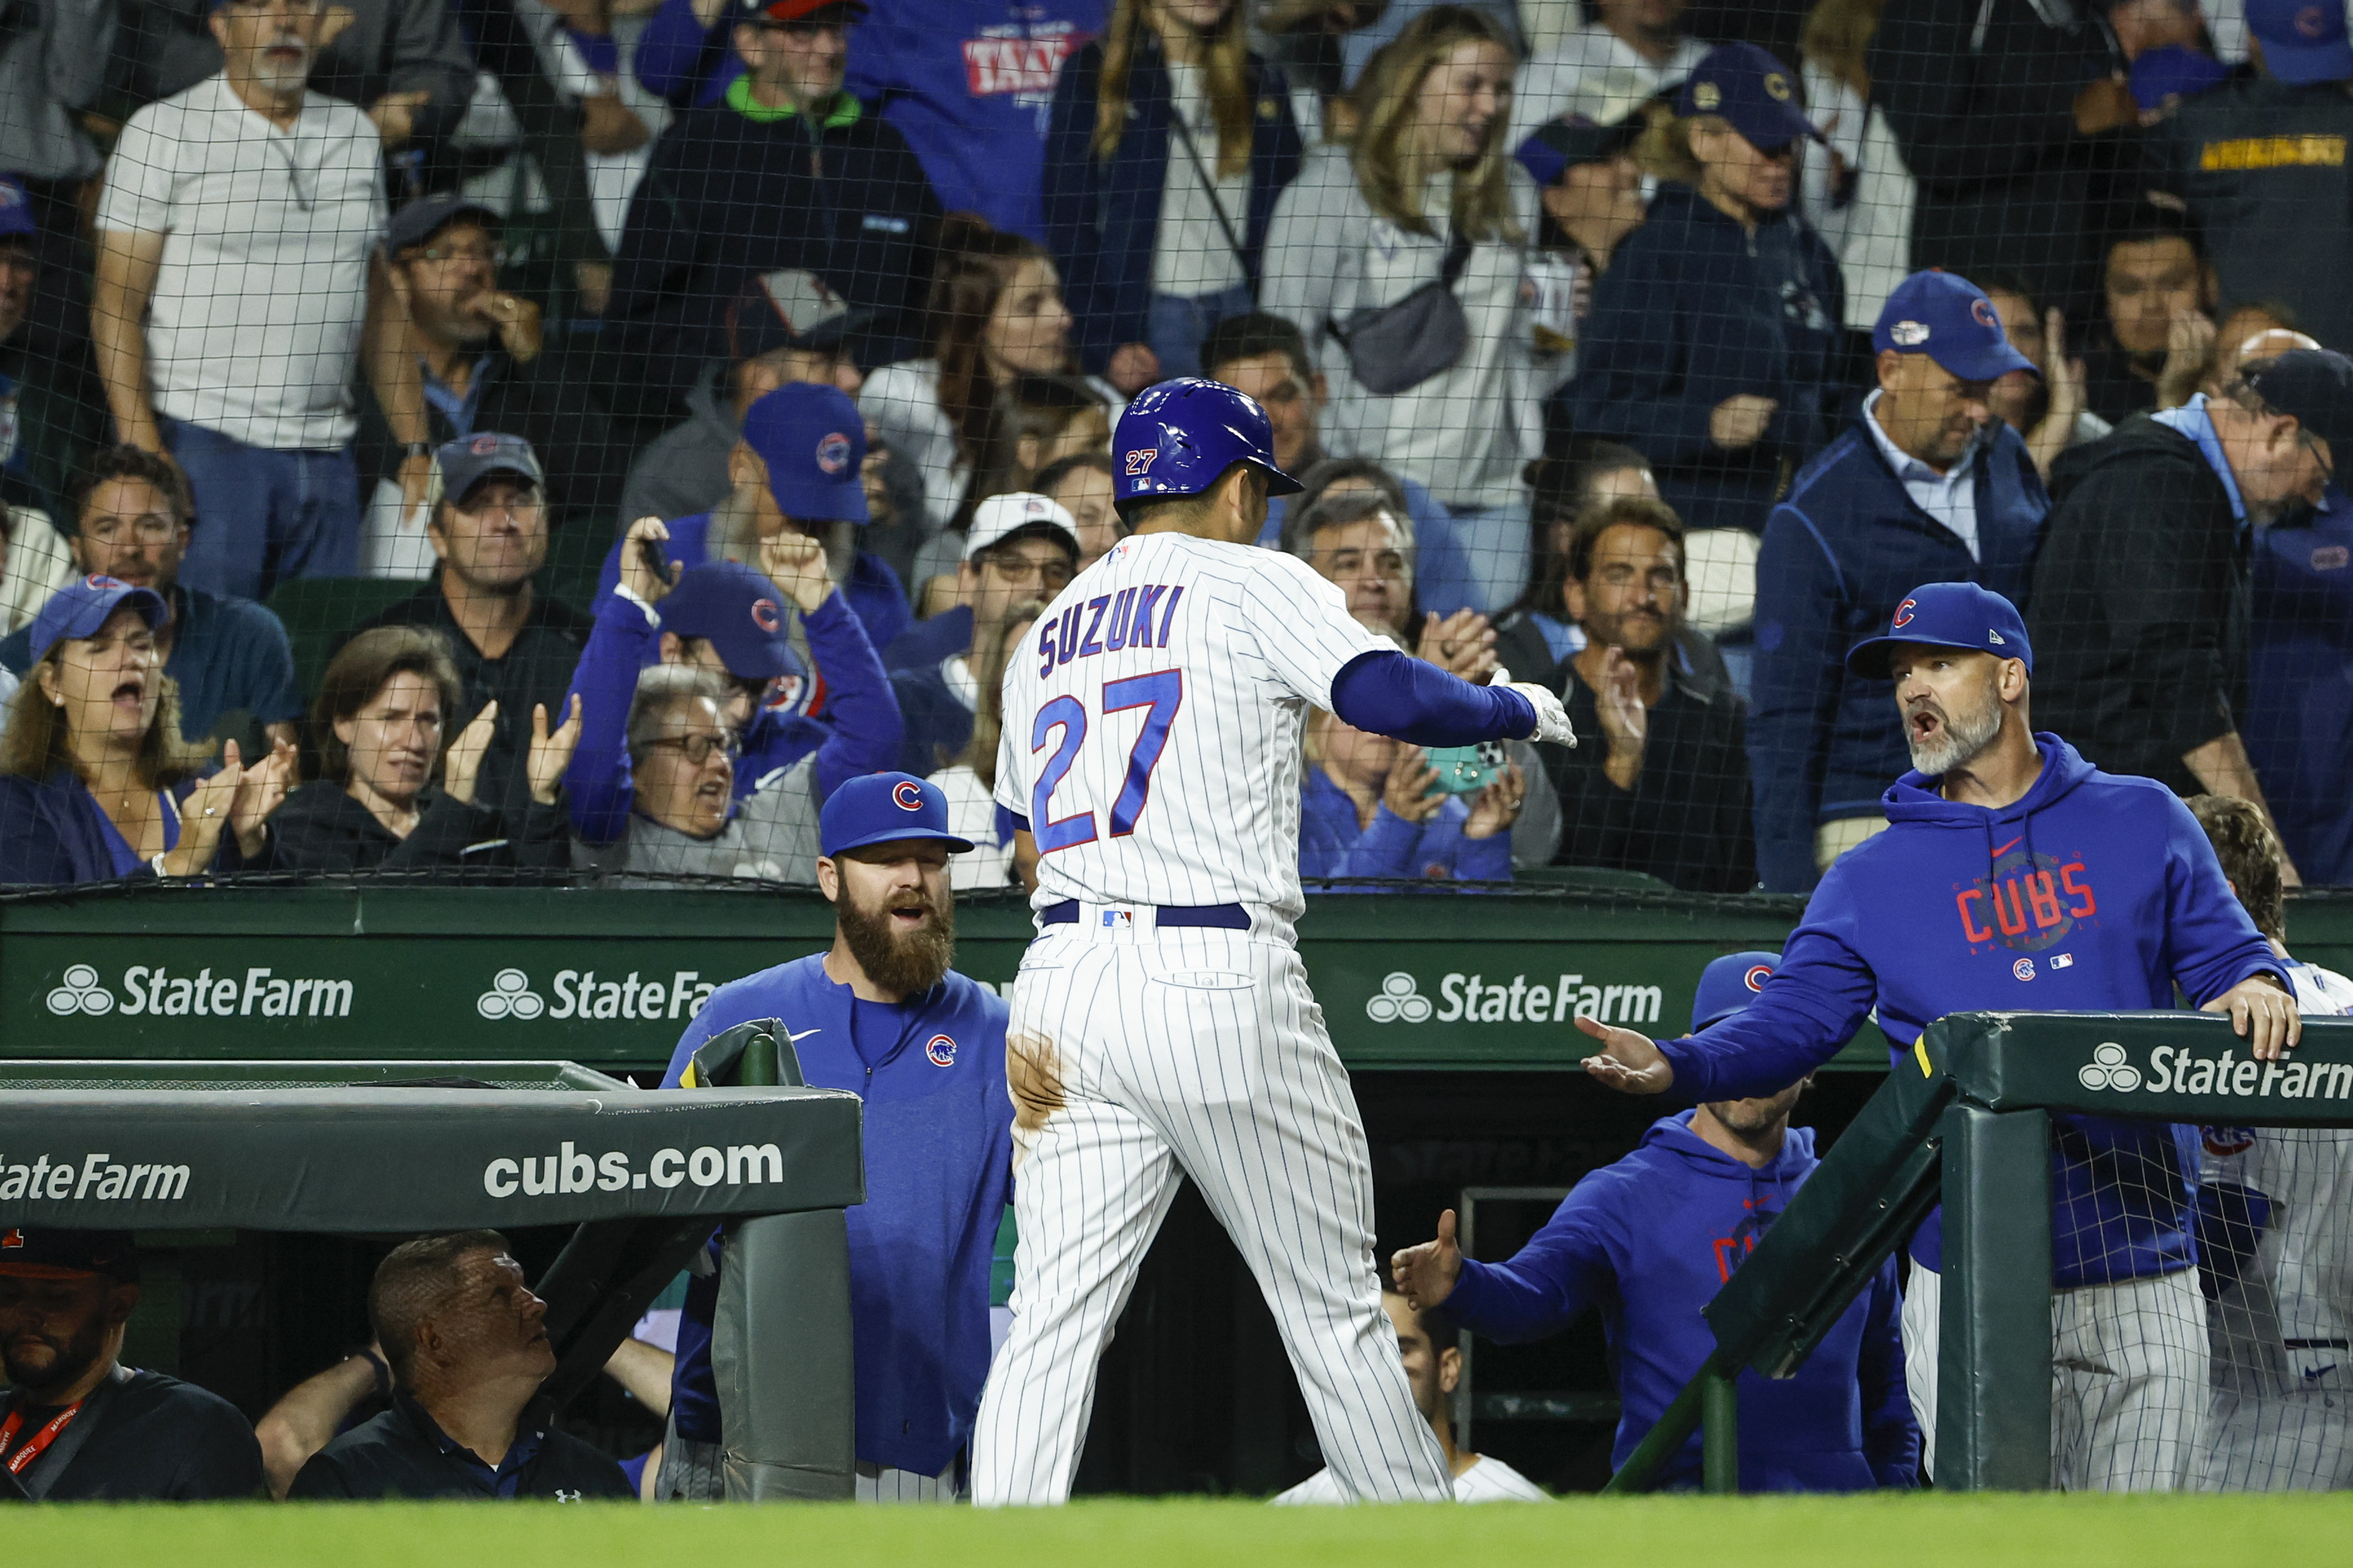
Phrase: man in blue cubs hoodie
pixel 1924 485
pixel 2015 877
pixel 1650 1240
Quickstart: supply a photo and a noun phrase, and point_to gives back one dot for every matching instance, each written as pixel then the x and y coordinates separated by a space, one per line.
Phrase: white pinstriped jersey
pixel 2307 1174
pixel 1153 719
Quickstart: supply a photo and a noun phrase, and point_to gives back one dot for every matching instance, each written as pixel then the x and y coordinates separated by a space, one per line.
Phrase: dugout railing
pixel 1967 1119
pixel 387 1149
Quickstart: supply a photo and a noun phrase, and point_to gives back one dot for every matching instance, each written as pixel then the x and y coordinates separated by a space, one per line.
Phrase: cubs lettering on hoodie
pixel 2091 893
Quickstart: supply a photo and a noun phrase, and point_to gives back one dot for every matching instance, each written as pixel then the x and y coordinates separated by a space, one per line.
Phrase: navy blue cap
pixel 2161 76
pixel 426 217
pixel 739 611
pixel 1947 614
pixel 1728 984
pixel 470 459
pixel 2304 40
pixel 15 208
pixel 1560 145
pixel 1746 84
pixel 883 808
pixel 814 441
pixel 82 605
pixel 46 1254
pixel 2315 386
pixel 1946 317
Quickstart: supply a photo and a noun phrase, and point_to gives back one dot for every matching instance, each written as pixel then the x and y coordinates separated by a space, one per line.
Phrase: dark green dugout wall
pixel 1408 980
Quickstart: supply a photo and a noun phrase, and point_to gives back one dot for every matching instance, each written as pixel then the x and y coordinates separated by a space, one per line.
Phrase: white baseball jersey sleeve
pixel 1154 719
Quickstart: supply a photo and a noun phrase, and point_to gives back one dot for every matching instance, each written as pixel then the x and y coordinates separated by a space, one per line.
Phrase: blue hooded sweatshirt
pixel 1649 1241
pixel 2090 893
pixel 939 1171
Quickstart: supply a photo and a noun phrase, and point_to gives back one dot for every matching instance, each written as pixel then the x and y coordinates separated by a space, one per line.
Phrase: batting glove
pixel 1552 719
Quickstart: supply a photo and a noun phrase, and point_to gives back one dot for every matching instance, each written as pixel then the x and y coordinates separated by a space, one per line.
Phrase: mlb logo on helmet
pixel 907 795
pixel 766 616
pixel 483 446
pixel 833 452
pixel 1758 973
pixel 1140 460
pixel 1903 616
pixel 942 1050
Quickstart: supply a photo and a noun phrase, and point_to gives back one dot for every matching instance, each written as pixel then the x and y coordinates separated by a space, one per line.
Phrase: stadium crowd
pixel 503 438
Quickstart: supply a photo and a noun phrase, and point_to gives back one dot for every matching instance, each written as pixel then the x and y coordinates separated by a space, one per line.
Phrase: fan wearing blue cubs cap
pixel 731 620
pixel 1924 483
pixel 1651 1239
pixel 2016 876
pixel 882 1015
pixel 1150 753
pixel 798 469
pixel 95 783
pixel 1715 346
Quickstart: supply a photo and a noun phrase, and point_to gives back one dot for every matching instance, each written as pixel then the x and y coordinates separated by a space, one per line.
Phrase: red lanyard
pixel 38 1443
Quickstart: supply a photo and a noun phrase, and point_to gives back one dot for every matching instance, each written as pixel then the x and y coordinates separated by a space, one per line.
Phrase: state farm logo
pixel 511 997
pixel 81 993
pixel 582 994
pixel 1475 999
pixel 2108 1068
pixel 2226 1074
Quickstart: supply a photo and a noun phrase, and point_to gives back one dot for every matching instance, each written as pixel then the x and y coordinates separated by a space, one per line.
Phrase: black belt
pixel 1215 917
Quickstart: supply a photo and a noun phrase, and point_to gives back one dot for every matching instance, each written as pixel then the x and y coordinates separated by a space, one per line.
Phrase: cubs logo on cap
pixel 1728 984
pixel 1946 614
pixel 942 1050
pixel 767 616
pixel 1758 973
pixel 2311 23
pixel 1981 312
pixel 483 446
pixel 884 809
pixel 833 453
pixel 907 795
pixel 1902 616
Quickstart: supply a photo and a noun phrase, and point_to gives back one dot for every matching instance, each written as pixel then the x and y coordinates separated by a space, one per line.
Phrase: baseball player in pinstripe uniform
pixel 1162 1024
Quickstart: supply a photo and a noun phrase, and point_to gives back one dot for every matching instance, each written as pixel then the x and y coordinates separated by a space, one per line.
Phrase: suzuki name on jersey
pixel 1107 623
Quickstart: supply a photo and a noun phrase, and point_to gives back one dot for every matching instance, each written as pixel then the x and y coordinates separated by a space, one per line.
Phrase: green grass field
pixel 1648 1532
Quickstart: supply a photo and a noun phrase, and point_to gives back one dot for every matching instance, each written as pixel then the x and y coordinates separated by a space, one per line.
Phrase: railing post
pixel 1719 1431
pixel 1993 1376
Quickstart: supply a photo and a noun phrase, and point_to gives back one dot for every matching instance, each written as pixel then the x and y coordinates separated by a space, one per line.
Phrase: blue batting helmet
pixel 1179 435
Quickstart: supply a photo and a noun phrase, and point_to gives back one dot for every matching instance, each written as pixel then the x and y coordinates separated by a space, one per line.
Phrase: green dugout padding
pixel 384 1149
pixel 1963 1119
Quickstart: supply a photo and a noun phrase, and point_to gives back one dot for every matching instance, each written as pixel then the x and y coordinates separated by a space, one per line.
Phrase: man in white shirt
pixel 233 296
pixel 1632 51
pixel 1433 1375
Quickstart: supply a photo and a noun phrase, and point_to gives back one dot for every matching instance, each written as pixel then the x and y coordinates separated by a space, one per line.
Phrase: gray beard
pixel 1962 740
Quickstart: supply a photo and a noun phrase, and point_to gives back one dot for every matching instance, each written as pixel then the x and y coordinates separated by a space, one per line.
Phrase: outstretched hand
pixel 2262 1015
pixel 1628 1062
pixel 1425 1275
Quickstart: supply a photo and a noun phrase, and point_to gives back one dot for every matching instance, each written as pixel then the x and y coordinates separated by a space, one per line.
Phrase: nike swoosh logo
pixel 2319 1372
pixel 2009 847
pixel 804 1035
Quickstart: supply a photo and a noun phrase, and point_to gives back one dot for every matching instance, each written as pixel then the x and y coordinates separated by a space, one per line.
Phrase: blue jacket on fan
pixel 2091 893
pixel 1102 215
pixel 939 1172
pixel 1837 556
pixel 969 83
pixel 873 589
pixel 1694 310
pixel 1647 1242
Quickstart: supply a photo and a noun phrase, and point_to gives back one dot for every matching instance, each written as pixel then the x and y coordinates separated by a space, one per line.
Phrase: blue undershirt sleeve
pixel 1392 693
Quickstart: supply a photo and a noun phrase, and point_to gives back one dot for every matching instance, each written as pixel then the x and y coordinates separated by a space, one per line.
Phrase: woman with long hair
pixel 1428 198
pixel 1169 143
pixel 1038 421
pixel 997 315
pixel 1714 346
pixel 96 784
pixel 386 703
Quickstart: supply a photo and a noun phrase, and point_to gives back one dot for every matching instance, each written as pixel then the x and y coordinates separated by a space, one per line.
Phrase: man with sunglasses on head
pixel 2140 593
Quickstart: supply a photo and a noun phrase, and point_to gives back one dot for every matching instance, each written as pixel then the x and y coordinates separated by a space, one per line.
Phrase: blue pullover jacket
pixel 939 1171
pixel 1102 215
pixel 2091 893
pixel 860 736
pixel 1649 1241
pixel 1694 310
pixel 1837 556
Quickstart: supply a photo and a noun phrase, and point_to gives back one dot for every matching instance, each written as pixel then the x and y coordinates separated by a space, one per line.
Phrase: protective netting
pixel 361 334
pixel 2198 1318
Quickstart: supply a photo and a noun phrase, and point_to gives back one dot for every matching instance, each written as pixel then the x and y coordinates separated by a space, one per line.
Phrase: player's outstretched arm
pixel 1391 693
pixel 1629 1063
pixel 1425 1275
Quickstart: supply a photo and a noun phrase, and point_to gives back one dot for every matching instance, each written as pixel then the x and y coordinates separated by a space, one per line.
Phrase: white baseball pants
pixel 1137 1058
